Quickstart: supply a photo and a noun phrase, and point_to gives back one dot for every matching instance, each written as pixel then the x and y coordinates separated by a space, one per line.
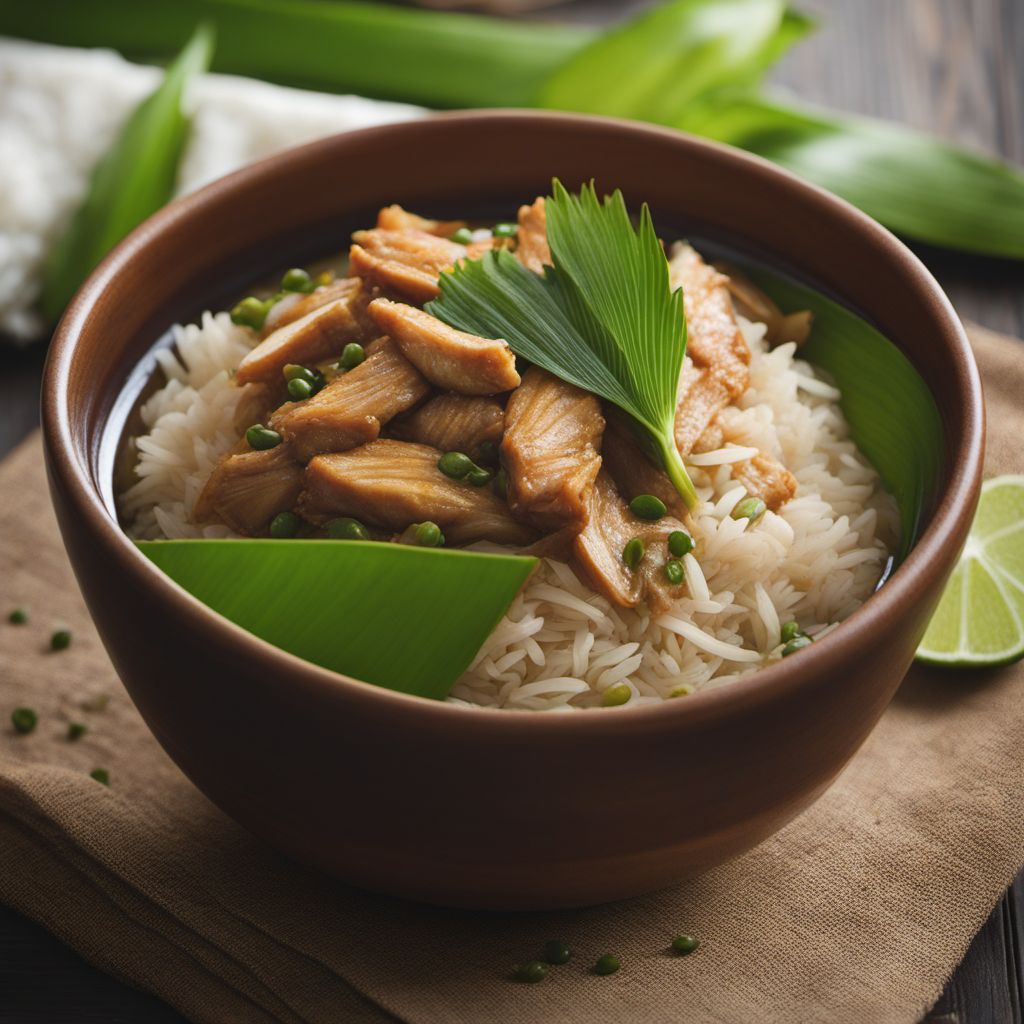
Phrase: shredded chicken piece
pixel 322 332
pixel 448 358
pixel 453 423
pixel 351 409
pixel 598 551
pixel 406 262
pixel 395 218
pixel 766 479
pixel 393 484
pixel 702 396
pixel 551 450
pixel 294 306
pixel 248 488
pixel 532 240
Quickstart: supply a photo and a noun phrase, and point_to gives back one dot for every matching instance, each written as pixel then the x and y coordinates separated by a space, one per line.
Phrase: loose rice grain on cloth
pixel 909 849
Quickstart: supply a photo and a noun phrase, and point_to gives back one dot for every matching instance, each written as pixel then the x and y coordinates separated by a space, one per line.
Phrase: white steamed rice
pixel 560 645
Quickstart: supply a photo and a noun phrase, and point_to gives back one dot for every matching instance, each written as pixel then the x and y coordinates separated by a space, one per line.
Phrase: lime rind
pixel 980 618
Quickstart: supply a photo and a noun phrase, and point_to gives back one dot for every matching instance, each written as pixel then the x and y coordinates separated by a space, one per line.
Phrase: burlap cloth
pixel 858 911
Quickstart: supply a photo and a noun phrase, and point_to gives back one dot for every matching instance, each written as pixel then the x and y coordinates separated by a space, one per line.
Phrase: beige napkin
pixel 858 911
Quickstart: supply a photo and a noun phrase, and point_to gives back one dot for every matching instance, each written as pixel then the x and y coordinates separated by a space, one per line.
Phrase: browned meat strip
pixel 598 551
pixel 295 306
pixel 393 484
pixel 632 470
pixel 713 340
pixel 350 410
pixel 702 396
pixel 532 240
pixel 446 357
pixel 551 450
pixel 453 423
pixel 767 479
pixel 248 488
pixel 407 262
pixel 321 333
pixel 395 218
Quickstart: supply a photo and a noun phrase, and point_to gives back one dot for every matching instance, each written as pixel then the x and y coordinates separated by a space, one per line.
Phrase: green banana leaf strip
pixel 916 185
pixel 133 180
pixel 434 58
pixel 659 63
pixel 892 414
pixel 405 618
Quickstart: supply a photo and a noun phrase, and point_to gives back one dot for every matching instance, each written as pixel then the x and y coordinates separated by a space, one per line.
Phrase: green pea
pixel 633 552
pixel 684 945
pixel 24 720
pixel 428 535
pixel 299 389
pixel 798 643
pixel 101 775
pixel 679 543
pixel 479 477
pixel 487 451
pixel 647 506
pixel 292 371
pixel 607 964
pixel 456 465
pixel 76 730
pixel 616 695
pixel 749 508
pixel 674 572
pixel 251 312
pixel 351 356
pixel 60 640
pixel 555 952
pixel 18 617
pixel 682 690
pixel 531 972
pixel 262 438
pixel 297 280
pixel 505 230
pixel 346 528
pixel 790 631
pixel 284 524
pixel 463 236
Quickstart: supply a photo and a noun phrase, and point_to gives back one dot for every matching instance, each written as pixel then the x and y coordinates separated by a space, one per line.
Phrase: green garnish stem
pixel 675 470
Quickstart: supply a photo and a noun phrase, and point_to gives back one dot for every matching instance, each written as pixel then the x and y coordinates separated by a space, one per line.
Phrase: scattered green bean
pixel 251 312
pixel 556 952
pixel 479 477
pixel 684 945
pixel 798 643
pixel 607 964
pixel 60 639
pixel 24 720
pixel 283 525
pixel 531 972
pixel 299 389
pixel 679 543
pixel 18 617
pixel 616 695
pixel 347 528
pixel 76 730
pixel 463 236
pixel 749 508
pixel 790 631
pixel 428 535
pixel 297 280
pixel 633 552
pixel 101 775
pixel 262 438
pixel 648 506
pixel 293 371
pixel 351 356
pixel 505 230
pixel 456 465
pixel 674 572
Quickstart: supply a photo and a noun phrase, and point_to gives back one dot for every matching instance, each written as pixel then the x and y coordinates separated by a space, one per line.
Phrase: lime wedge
pixel 980 619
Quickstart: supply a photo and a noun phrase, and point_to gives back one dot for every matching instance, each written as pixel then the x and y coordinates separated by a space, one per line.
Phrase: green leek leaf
pixel 133 180
pixel 429 57
pixel 658 63
pixel 405 618
pixel 603 317
pixel 892 414
pixel 916 185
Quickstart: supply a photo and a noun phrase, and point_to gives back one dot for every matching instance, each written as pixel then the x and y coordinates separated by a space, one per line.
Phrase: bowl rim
pixel 923 562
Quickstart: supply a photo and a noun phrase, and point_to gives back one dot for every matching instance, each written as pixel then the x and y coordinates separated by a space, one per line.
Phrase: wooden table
pixel 954 67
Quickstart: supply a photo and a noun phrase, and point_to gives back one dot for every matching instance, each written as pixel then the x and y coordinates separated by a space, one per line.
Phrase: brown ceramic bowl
pixel 473 807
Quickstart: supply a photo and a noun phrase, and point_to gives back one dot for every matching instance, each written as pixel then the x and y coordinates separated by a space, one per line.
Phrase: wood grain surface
pixel 954 67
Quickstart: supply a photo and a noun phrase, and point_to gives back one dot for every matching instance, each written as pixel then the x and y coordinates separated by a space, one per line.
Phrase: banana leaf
pixel 892 414
pixel 429 57
pixel 916 185
pixel 132 181
pixel 660 62
pixel 405 618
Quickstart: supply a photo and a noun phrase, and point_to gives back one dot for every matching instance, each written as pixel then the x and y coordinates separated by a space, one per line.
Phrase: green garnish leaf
pixel 286 592
pixel 603 317
pixel 134 179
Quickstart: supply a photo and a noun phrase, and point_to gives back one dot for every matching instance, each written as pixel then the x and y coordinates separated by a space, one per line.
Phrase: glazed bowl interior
pixel 206 250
